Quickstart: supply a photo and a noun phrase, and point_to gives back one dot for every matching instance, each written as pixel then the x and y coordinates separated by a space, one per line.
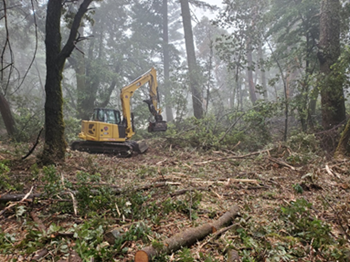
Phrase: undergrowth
pixel 80 207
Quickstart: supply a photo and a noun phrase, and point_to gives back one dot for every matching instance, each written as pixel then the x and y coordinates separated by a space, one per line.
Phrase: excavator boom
pixel 126 93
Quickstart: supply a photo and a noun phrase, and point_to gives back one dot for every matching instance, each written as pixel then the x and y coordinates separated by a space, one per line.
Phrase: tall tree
pixel 6 62
pixel 332 95
pixel 166 61
pixel 55 144
pixel 191 61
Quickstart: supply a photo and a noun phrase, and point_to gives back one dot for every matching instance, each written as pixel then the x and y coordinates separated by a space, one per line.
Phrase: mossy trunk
pixel 332 95
pixel 55 143
pixel 341 150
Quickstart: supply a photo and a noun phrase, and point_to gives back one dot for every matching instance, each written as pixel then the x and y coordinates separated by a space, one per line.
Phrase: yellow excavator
pixel 109 133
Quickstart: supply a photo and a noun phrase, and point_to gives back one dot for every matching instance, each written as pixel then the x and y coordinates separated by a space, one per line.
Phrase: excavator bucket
pixel 157 126
pixel 139 147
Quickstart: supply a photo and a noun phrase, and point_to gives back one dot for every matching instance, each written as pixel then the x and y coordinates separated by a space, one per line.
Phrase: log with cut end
pixel 232 256
pixel 186 238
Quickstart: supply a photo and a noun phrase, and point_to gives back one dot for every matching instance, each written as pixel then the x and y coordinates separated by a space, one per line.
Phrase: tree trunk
pixel 55 143
pixel 77 61
pixel 262 72
pixel 341 150
pixel 250 72
pixel 332 95
pixel 191 60
pixel 312 107
pixel 168 108
pixel 7 117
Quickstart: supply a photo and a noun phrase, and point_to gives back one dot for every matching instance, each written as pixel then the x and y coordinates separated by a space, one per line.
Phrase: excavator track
pixel 122 150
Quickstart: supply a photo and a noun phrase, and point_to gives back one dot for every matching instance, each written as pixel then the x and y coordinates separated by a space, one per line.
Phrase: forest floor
pixel 292 206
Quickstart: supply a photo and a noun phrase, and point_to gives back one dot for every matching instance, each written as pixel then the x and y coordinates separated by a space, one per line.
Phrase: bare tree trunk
pixel 332 95
pixel 78 63
pixel 168 108
pixel 250 72
pixel 7 117
pixel 210 67
pixel 191 60
pixel 262 72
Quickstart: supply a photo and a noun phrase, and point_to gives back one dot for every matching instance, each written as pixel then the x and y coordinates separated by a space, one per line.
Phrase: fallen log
pixel 186 238
pixel 184 191
pixel 16 197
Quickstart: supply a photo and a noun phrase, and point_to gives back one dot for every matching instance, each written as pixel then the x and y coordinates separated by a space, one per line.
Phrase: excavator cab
pixel 105 115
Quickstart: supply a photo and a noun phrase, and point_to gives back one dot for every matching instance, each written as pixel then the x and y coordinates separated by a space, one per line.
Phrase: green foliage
pixel 213 132
pixel 188 205
pixel 287 238
pixel 299 223
pixel 303 142
pixel 185 255
pixel 89 241
pixel 72 128
pixel 137 231
pixel 52 181
pixel 132 205
pixel 29 117
pixel 256 123
pixel 6 242
pixel 91 199
pixel 298 189
pixel 4 178
pixel 34 240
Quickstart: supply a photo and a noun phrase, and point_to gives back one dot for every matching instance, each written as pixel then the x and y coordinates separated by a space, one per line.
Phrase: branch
pixel 69 46
pixel 13 204
pixel 34 146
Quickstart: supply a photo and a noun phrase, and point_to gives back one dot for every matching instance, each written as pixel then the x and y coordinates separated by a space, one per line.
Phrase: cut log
pixel 186 238
pixel 232 256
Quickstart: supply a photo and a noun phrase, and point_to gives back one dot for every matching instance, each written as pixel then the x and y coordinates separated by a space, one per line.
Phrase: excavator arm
pixel 127 92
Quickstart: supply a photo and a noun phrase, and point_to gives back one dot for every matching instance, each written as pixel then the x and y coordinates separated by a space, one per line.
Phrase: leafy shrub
pixel 300 223
pixel 72 128
pixel 4 179
pixel 92 199
pixel 52 182
pixel 304 142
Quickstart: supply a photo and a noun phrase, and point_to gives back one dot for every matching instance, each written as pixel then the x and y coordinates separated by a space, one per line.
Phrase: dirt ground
pixel 292 206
